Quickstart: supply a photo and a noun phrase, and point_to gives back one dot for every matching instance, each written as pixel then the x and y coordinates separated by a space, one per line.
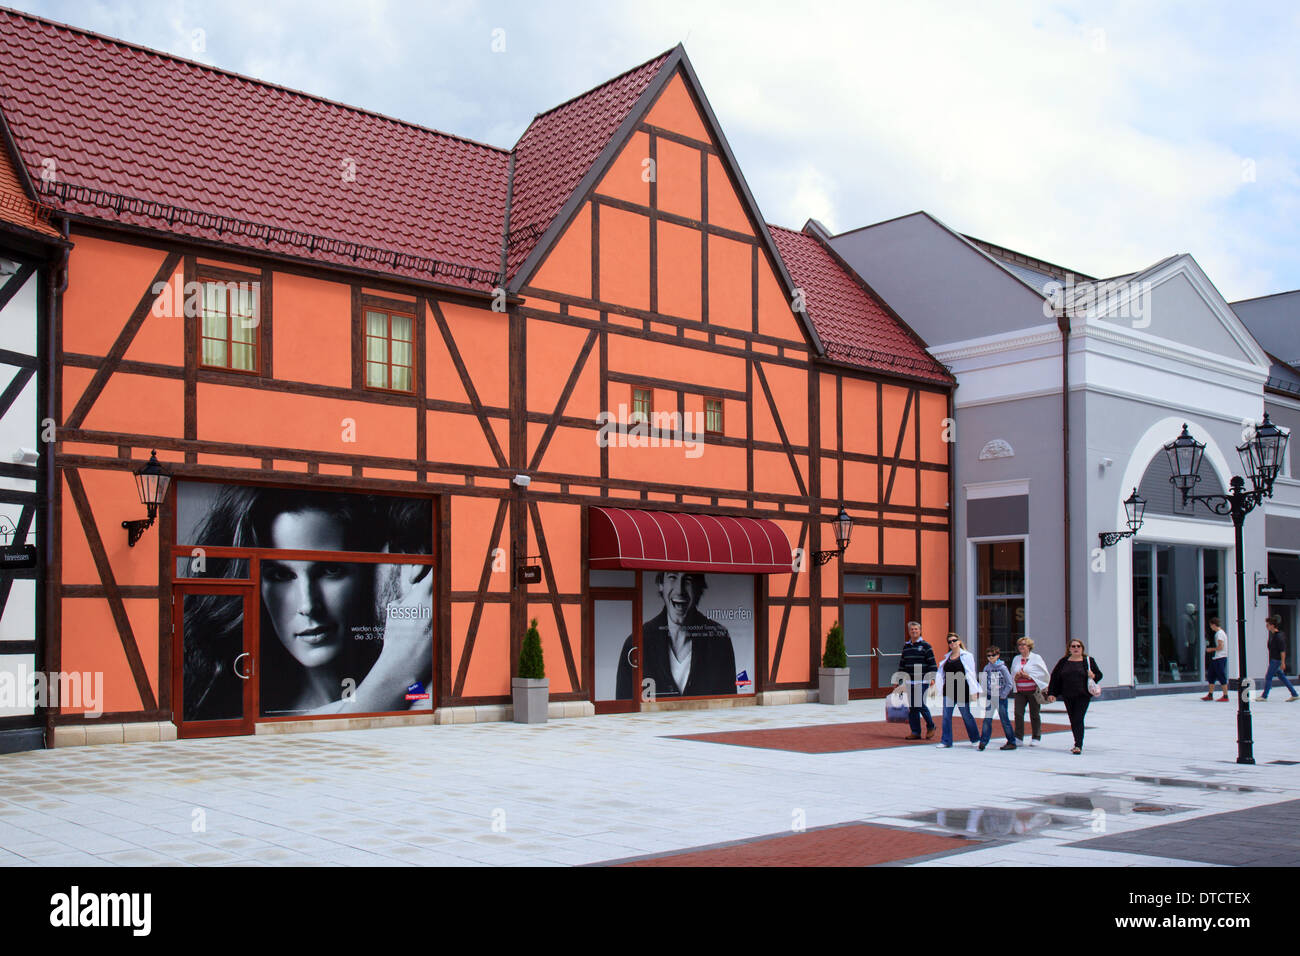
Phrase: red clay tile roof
pixel 854 327
pixel 559 147
pixel 128 121
pixel 152 140
pixel 15 206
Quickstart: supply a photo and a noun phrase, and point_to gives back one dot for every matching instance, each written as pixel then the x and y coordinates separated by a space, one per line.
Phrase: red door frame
pixel 251 620
pixel 874 602
pixel 632 594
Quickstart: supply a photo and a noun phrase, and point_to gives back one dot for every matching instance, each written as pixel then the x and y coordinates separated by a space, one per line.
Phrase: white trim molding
pixel 997 489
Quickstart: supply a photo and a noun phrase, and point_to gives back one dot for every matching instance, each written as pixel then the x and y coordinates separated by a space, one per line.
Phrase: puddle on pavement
pixel 1008 823
pixel 1105 801
pixel 1178 782
pixel 983 821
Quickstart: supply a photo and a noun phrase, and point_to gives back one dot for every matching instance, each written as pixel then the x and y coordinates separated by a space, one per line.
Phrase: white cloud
pixel 1103 136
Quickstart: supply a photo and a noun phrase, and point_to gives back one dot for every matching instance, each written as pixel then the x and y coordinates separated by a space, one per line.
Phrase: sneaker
pixel 1007 746
pixel 1293 698
pixel 949 746
pixel 912 737
pixel 1223 698
pixel 1035 741
pixel 1209 696
pixel 982 745
pixel 1261 700
pixel 929 734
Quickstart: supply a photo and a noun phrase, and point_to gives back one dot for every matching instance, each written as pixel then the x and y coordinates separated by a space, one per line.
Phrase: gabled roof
pixel 1283 378
pixel 1274 320
pixel 1034 271
pixel 558 149
pixel 149 140
pixel 119 120
pixel 854 325
pixel 19 209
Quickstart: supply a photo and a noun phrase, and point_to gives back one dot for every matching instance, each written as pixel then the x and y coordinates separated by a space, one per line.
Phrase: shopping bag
pixel 896 707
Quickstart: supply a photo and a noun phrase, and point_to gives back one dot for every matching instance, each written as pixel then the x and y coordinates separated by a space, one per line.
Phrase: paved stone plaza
pixel 1157 785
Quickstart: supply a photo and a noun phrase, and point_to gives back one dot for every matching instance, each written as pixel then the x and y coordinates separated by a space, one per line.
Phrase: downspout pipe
pixel 56 285
pixel 1063 323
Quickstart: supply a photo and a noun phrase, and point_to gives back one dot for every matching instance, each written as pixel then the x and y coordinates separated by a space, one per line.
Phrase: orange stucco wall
pixel 660 325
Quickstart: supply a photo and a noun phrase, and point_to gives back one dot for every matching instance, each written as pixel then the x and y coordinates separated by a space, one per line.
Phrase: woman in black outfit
pixel 1070 683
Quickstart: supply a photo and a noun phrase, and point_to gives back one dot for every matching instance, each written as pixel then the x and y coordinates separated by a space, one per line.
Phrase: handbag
pixel 1093 689
pixel 896 707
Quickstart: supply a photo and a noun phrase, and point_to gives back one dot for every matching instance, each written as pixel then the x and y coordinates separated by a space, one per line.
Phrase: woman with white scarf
pixel 1029 677
pixel 959 684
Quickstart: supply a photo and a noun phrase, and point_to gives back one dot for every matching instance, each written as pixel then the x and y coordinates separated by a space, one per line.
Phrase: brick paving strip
pixel 1259 836
pixel 841 738
pixel 852 844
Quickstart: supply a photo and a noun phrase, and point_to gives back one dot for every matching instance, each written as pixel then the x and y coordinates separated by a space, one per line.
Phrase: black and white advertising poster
pixel 697 639
pixel 335 635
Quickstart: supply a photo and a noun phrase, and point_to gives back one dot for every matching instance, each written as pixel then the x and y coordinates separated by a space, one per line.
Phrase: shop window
pixel 230 325
pixel 1176 590
pixel 642 405
pixel 389 350
pixel 341 579
pixel 999 594
pixel 713 416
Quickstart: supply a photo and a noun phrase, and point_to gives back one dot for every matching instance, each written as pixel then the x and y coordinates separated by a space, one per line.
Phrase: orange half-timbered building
pixel 411 392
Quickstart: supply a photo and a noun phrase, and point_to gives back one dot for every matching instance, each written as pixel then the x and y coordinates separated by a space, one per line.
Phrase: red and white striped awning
pixel 665 541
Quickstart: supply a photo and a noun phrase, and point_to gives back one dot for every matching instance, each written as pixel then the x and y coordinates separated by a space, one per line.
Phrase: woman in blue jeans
pixel 1276 658
pixel 959 684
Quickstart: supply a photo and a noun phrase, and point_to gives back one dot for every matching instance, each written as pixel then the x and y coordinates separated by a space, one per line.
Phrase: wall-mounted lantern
pixel 1135 507
pixel 843 527
pixel 151 482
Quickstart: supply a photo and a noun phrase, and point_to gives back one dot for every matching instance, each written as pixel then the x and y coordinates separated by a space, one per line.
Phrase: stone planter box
pixel 833 685
pixel 531 697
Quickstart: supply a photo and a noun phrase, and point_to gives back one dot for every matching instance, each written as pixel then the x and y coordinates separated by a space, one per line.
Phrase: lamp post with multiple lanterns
pixel 1261 457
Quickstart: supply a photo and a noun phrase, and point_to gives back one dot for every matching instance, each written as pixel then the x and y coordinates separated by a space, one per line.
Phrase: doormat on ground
pixel 841 738
pixel 858 844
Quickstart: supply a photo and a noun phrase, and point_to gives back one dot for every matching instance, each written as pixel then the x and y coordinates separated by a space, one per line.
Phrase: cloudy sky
pixel 1099 135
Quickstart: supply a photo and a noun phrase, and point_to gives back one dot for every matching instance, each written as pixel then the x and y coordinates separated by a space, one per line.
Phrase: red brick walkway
pixel 858 844
pixel 840 738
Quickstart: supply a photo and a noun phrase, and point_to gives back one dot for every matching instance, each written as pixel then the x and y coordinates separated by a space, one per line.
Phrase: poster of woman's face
pixel 335 635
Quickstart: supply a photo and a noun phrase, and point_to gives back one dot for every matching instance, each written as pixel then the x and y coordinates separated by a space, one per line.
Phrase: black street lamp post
pixel 1261 457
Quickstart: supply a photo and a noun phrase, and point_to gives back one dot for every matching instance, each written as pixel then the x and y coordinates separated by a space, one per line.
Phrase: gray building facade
pixel 1135 357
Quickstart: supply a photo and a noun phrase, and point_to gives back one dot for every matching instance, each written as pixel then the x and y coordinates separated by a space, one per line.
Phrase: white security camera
pixel 25 456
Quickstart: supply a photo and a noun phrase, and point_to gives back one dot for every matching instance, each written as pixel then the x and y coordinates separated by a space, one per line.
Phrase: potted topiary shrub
pixel 833 677
pixel 531 689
